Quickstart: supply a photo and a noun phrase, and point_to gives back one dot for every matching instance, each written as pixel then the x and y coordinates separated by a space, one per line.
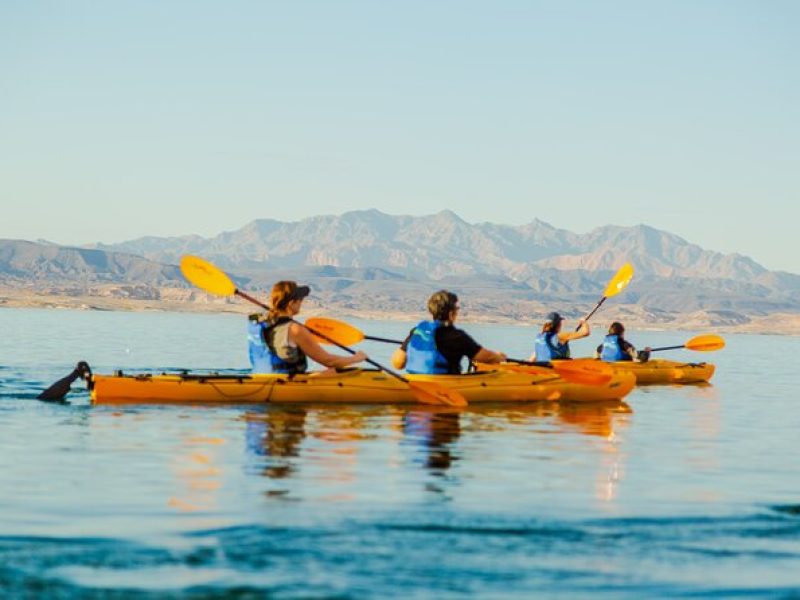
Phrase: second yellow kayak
pixel 660 371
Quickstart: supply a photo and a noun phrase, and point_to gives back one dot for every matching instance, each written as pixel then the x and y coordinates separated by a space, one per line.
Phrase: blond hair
pixel 282 293
pixel 441 304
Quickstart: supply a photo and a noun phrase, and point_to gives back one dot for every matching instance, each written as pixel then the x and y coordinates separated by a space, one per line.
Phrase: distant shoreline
pixel 775 324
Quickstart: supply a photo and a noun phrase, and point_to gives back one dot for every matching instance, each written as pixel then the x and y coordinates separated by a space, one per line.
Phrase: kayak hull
pixel 658 371
pixel 355 386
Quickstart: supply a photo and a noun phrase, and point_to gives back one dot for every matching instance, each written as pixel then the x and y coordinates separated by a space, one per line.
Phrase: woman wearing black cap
pixel 552 343
pixel 279 344
pixel 616 348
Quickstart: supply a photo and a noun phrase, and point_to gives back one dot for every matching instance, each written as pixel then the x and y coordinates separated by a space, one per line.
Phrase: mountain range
pixel 444 244
pixel 372 261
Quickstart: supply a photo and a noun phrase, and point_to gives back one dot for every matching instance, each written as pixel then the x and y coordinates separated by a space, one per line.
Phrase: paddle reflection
pixel 434 432
pixel 277 434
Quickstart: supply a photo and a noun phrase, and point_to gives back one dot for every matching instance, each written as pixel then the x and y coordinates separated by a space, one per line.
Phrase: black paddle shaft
pixel 380 339
pixel 528 363
pixel 667 348
pixel 351 351
pixel 366 337
pixel 589 316
pixel 251 299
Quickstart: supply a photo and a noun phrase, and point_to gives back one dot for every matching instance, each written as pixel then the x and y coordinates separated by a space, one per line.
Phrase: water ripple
pixel 356 559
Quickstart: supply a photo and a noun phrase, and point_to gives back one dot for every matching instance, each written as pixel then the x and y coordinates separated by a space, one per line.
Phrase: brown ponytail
pixel 616 328
pixel 282 293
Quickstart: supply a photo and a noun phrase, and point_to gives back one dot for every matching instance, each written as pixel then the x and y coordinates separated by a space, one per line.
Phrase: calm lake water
pixel 680 491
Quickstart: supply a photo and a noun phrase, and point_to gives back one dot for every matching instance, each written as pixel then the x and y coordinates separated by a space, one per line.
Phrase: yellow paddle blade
pixel 619 281
pixel 705 343
pixel 206 276
pixel 584 370
pixel 430 392
pixel 340 332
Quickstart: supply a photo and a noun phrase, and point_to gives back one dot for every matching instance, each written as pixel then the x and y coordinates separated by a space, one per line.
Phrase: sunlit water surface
pixel 679 491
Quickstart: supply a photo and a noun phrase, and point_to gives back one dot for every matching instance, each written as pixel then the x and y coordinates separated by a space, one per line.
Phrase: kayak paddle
pixel 588 371
pixel 699 343
pixel 213 280
pixel 618 283
pixel 342 332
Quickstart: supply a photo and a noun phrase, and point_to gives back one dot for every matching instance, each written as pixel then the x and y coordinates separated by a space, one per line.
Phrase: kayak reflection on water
pixel 338 444
pixel 593 418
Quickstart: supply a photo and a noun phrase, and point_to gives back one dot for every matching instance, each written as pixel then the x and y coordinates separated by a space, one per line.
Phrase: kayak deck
pixel 351 387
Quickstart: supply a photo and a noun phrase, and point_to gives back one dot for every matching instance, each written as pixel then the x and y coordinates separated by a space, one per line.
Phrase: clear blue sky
pixel 123 119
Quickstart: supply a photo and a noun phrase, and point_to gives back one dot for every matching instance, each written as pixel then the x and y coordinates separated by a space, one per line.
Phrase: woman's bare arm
pixel 583 331
pixel 311 348
pixel 485 355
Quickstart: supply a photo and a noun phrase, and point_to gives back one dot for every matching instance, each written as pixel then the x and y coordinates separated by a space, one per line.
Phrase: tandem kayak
pixel 352 386
pixel 665 371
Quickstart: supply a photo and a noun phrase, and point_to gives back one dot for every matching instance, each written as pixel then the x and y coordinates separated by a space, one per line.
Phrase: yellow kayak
pixel 351 387
pixel 665 371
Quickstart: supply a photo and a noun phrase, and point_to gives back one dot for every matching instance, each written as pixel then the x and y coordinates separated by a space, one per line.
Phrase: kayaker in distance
pixel 552 343
pixel 616 348
pixel 280 345
pixel 437 347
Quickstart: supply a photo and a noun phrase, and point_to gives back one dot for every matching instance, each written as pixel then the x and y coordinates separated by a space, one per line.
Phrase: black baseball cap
pixel 301 292
pixel 554 317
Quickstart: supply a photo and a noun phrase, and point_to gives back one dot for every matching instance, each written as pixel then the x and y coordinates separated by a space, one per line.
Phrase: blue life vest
pixel 547 347
pixel 422 355
pixel 265 357
pixel 612 350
